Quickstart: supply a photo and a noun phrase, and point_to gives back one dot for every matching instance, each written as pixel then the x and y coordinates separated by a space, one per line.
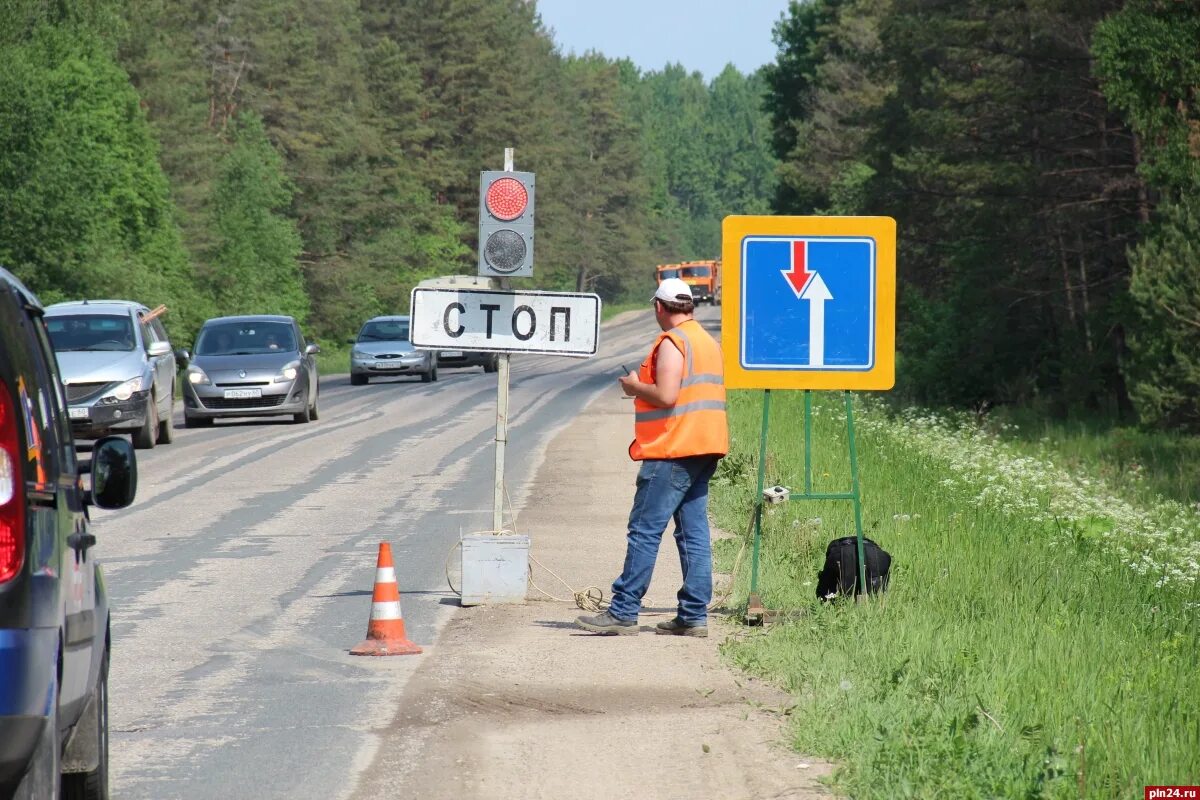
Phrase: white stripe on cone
pixel 385 574
pixel 388 609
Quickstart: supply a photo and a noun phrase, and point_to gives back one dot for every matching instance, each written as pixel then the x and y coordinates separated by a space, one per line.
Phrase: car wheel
pixel 41 781
pixel 166 430
pixel 196 422
pixel 145 436
pixel 492 365
pixel 427 377
pixel 434 371
pixel 358 380
pixel 313 412
pixel 304 416
pixel 93 785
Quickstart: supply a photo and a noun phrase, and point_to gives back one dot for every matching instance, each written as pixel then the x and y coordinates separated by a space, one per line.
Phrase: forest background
pixel 319 157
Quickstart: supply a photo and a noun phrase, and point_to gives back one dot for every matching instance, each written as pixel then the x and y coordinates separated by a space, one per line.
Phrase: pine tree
pixel 1166 340
pixel 1149 62
pixel 254 266
pixel 608 241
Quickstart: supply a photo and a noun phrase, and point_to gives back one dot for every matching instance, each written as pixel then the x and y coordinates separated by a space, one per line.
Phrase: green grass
pixel 1143 464
pixel 1011 656
pixel 334 359
pixel 610 310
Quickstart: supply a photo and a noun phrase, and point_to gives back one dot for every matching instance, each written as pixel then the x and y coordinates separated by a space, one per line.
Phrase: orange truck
pixel 703 276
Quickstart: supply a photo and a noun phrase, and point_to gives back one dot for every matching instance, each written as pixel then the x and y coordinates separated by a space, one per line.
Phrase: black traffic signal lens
pixel 505 250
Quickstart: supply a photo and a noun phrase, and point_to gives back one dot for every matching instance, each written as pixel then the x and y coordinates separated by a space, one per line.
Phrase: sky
pixel 703 35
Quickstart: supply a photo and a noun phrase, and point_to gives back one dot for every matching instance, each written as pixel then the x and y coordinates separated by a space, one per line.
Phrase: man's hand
pixel 668 375
pixel 629 383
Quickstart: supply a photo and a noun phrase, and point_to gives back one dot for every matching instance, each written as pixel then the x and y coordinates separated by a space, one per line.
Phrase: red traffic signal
pixel 506 208
pixel 506 199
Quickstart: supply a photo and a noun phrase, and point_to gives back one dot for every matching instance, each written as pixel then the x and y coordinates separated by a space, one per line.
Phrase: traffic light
pixel 506 202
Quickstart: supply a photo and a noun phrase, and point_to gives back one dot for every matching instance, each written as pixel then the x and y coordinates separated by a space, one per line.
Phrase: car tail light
pixel 12 495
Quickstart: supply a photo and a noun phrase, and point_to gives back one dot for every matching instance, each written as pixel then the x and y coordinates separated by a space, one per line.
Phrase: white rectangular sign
pixel 550 323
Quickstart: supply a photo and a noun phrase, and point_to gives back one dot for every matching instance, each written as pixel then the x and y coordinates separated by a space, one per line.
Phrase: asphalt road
pixel 243 572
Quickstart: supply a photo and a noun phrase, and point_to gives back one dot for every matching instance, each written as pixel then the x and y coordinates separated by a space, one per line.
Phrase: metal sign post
pixel 810 303
pixel 853 495
pixel 504 321
pixel 501 440
pixel 484 313
pixel 502 375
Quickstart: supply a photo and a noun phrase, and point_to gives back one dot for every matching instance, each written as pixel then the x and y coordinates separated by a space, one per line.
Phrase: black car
pixel 54 631
pixel 468 358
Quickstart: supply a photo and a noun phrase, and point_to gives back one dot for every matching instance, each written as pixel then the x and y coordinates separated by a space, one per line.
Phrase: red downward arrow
pixel 799 274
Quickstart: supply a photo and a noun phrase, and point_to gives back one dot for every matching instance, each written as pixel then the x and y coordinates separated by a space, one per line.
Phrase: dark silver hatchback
pixel 250 366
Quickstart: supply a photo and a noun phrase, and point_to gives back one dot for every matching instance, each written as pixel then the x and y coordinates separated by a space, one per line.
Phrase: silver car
pixel 250 366
pixel 382 349
pixel 118 369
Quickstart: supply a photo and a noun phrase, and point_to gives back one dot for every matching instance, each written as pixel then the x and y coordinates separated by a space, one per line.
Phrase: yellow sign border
pixel 735 229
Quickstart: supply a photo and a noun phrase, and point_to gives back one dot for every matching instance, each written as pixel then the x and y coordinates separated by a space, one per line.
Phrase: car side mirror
pixel 114 473
pixel 158 349
pixel 182 357
pixel 311 349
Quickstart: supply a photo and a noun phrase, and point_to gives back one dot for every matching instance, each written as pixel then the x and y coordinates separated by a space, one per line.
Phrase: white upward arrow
pixel 816 293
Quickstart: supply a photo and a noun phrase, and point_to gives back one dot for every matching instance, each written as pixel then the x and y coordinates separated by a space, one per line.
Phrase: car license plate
pixel 242 394
pixel 77 412
pixel 451 353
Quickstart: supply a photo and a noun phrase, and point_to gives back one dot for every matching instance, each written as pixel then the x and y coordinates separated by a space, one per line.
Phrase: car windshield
pixel 69 333
pixel 663 274
pixel 695 272
pixel 384 331
pixel 245 338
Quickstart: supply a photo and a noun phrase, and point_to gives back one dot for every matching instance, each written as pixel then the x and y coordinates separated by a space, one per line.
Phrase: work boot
pixel 677 627
pixel 605 622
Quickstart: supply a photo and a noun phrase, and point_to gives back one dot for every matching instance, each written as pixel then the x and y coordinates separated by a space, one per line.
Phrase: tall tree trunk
pixel 1066 276
pixel 1083 293
pixel 1143 194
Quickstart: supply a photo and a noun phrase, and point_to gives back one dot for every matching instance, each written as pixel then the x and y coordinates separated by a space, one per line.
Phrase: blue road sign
pixel 808 303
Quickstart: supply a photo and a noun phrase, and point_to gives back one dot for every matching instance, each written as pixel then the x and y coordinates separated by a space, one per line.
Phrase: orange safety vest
pixel 695 425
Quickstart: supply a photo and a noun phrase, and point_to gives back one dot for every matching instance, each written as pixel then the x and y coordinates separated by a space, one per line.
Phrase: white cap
pixel 673 290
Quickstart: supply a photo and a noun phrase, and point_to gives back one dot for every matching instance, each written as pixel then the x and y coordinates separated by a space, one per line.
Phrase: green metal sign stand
pixel 808 494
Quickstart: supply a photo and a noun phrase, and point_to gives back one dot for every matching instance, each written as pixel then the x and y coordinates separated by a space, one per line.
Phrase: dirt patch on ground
pixel 516 702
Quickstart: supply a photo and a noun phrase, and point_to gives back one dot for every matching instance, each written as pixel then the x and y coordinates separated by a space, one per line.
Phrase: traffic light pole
pixel 502 374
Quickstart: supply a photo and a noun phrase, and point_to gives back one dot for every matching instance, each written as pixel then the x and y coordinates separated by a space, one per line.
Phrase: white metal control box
pixel 495 569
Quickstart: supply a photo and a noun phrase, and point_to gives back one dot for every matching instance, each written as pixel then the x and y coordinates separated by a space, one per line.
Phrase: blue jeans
pixel 669 489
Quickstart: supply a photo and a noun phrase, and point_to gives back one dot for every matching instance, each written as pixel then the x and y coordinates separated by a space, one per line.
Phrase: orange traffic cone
pixel 385 631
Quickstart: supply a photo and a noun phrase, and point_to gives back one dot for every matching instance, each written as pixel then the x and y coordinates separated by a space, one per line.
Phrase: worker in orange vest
pixel 680 434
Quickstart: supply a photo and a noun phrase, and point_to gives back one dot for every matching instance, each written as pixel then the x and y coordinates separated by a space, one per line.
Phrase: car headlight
pixel 197 376
pixel 126 389
pixel 288 373
pixel 356 353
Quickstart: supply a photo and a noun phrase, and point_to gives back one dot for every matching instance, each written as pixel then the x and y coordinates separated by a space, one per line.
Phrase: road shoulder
pixel 515 702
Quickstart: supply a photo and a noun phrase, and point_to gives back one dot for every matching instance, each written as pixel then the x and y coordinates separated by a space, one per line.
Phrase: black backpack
pixel 840 575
